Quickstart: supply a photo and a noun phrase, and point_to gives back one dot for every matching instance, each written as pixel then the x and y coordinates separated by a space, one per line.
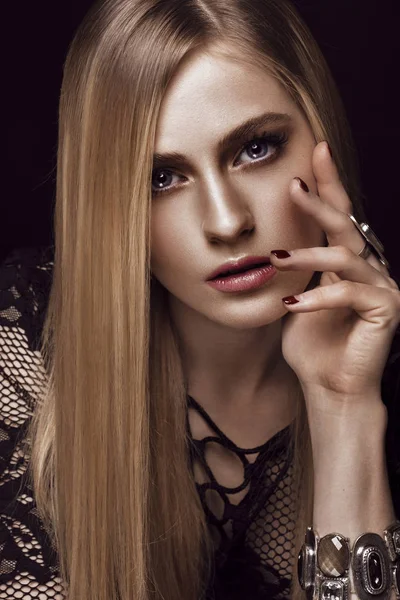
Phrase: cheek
pixel 169 233
pixel 162 244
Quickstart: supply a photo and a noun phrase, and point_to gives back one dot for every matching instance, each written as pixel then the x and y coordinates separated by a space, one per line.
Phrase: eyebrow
pixel 240 132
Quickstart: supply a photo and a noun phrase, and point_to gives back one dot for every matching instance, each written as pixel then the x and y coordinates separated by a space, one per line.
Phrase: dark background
pixel 359 38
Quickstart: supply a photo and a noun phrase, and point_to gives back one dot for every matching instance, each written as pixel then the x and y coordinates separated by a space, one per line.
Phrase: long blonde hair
pixel 109 444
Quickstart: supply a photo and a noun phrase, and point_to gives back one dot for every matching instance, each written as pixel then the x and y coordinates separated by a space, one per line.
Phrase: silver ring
pixel 372 242
pixel 365 252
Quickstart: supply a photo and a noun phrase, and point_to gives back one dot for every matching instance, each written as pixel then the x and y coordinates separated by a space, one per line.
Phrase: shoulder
pixel 24 286
pixel 25 278
pixel 25 281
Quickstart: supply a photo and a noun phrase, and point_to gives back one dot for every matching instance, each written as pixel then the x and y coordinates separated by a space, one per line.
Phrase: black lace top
pixel 250 522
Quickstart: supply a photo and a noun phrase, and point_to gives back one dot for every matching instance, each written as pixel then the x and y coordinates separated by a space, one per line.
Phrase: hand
pixel 337 337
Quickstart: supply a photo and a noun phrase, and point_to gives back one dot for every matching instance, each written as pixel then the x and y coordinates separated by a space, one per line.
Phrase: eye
pixel 253 147
pixel 161 179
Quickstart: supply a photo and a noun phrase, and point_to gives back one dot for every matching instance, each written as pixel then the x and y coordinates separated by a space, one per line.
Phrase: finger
pixel 336 259
pixel 374 304
pixel 337 225
pixel 329 186
pixel 331 190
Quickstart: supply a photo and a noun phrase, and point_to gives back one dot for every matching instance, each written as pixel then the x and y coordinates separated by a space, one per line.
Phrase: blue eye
pixel 251 146
pixel 166 175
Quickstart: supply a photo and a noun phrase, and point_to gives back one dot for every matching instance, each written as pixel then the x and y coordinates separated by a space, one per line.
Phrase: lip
pixel 246 281
pixel 241 263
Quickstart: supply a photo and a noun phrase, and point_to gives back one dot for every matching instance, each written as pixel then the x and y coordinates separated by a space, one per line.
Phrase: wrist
pixel 350 427
pixel 350 475
pixel 327 409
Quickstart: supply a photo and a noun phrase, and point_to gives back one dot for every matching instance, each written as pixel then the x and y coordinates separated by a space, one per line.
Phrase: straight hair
pixel 109 443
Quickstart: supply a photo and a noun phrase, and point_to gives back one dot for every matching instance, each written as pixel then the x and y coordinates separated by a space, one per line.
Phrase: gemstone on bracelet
pixel 374 570
pixel 396 541
pixel 396 577
pixel 332 589
pixel 333 554
pixel 371 566
pixel 300 563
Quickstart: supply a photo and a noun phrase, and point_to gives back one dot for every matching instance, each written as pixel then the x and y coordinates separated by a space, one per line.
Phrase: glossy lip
pixel 238 264
pixel 247 281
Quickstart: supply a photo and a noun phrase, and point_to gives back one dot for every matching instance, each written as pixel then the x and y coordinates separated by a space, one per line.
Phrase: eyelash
pixel 279 140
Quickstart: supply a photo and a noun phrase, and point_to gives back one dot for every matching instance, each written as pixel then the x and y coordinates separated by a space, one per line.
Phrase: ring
pixel 365 252
pixel 372 242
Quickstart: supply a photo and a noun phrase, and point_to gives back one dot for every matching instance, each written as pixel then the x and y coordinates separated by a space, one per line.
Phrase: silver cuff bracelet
pixel 328 570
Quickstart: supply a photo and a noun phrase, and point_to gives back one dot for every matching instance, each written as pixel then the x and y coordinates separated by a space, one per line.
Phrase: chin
pixel 245 319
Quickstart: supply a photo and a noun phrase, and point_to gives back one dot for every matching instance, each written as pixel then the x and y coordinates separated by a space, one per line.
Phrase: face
pixel 223 203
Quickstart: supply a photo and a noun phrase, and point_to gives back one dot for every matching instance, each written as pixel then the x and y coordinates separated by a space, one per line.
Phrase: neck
pixel 233 368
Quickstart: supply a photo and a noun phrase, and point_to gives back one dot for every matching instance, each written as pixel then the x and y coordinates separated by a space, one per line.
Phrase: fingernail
pixel 281 253
pixel 302 184
pixel 290 300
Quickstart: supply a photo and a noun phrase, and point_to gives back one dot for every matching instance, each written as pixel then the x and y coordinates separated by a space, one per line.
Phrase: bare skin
pixel 216 209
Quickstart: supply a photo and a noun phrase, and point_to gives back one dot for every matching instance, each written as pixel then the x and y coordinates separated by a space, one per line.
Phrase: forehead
pixel 211 91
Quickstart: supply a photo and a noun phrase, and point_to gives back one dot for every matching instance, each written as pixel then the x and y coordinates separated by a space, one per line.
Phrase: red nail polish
pixel 290 300
pixel 281 253
pixel 303 184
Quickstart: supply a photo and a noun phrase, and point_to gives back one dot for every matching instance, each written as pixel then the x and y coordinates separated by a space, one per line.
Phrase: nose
pixel 228 215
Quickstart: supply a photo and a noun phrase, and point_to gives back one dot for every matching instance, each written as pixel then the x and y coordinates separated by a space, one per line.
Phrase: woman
pixel 165 110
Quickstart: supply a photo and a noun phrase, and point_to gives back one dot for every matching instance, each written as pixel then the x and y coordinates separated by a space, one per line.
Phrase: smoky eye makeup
pixel 276 141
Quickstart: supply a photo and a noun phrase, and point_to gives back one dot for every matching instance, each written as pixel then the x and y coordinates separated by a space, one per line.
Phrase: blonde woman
pixel 170 429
